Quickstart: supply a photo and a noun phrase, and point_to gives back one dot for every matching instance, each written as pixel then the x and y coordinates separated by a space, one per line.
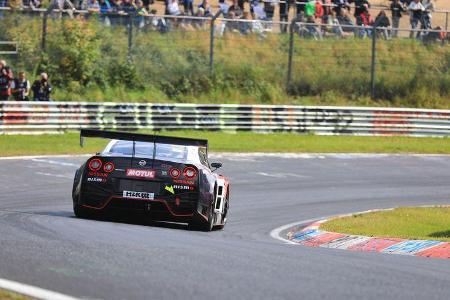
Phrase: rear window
pixel 143 149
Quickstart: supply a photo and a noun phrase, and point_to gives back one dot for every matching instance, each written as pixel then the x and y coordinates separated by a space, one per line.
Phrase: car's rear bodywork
pixel 166 178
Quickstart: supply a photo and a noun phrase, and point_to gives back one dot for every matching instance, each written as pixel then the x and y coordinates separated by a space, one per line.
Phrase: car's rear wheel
pixel 80 212
pixel 201 224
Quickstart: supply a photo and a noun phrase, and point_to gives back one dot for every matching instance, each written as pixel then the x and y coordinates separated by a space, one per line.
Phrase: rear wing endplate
pixel 138 137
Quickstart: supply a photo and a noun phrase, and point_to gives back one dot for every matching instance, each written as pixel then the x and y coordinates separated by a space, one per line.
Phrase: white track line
pixel 275 233
pixel 32 291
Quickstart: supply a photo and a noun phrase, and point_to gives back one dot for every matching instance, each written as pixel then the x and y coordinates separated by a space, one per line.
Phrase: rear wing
pixel 138 137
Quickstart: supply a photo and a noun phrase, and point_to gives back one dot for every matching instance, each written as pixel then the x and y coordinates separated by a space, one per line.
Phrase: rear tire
pixel 198 223
pixel 80 212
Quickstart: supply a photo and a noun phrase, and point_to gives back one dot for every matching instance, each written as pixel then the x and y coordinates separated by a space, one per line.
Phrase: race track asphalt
pixel 42 244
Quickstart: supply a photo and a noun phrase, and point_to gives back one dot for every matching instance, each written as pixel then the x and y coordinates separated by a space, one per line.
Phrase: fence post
pixel 290 53
pixel 44 32
pixel 446 21
pixel 130 36
pixel 372 73
pixel 211 41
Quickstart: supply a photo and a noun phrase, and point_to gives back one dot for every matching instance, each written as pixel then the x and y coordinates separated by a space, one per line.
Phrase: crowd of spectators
pixel 339 17
pixel 19 88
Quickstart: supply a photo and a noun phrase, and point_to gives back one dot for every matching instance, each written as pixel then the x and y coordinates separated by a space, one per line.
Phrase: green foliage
pixel 90 62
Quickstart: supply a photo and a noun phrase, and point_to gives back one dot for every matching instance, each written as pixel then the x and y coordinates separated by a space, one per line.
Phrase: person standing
pixel 416 11
pixel 42 88
pixel 6 77
pixel 21 88
pixel 396 10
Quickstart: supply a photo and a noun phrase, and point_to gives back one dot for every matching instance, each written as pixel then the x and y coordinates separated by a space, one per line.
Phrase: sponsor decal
pixel 97 174
pixel 183 181
pixel 169 188
pixel 140 173
pixel 164 173
pixel 183 187
pixel 142 163
pixel 138 195
pixel 96 179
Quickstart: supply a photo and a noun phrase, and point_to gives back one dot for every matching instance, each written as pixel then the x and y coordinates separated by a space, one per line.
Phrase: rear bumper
pixel 155 209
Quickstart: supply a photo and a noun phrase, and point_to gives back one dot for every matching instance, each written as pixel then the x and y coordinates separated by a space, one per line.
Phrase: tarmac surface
pixel 43 244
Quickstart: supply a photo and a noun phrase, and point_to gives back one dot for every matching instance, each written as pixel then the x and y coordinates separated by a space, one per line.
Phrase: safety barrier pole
pixel 211 42
pixel 290 54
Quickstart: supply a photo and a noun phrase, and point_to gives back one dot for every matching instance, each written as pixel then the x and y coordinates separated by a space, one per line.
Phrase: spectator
pixel 245 27
pixel 333 23
pixel 300 9
pixel 6 78
pixel 173 8
pixel 41 88
pixel 360 7
pixel 345 21
pixel 310 8
pixel 382 23
pixel 21 88
pixel 269 10
pixel 364 20
pixel 284 14
pixel 93 7
pixel 319 11
pixel 141 13
pixel 188 7
pixel 396 10
pixel 428 6
pixel 340 5
pixel 236 9
pixel 207 12
pixel 224 7
pixel 416 11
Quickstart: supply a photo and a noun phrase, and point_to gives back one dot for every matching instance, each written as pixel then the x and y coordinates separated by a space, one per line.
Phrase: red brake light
pixel 174 173
pixel 95 164
pixel 108 167
pixel 189 172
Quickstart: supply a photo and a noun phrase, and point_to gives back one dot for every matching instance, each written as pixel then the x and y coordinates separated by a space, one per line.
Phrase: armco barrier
pixel 56 117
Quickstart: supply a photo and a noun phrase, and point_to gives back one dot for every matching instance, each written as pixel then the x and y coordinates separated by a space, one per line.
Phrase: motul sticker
pixel 140 173
pixel 138 195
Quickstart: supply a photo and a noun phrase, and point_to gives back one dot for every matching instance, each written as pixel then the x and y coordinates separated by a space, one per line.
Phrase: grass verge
pixel 7 295
pixel 68 143
pixel 418 223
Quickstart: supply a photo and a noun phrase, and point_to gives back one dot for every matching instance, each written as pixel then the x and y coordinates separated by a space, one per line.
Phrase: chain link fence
pixel 184 54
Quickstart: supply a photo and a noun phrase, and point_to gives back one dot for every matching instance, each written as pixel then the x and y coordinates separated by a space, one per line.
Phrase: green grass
pixel 430 223
pixel 68 143
pixel 7 295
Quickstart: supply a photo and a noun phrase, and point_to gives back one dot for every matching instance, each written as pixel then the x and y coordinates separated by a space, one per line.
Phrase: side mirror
pixel 216 166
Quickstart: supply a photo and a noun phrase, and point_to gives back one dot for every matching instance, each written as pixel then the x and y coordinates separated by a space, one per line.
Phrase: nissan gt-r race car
pixel 165 178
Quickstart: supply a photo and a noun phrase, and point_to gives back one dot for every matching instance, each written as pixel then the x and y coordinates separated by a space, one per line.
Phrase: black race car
pixel 166 178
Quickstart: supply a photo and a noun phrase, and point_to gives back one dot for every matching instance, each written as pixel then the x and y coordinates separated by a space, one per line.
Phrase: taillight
pixel 95 164
pixel 189 172
pixel 174 173
pixel 108 167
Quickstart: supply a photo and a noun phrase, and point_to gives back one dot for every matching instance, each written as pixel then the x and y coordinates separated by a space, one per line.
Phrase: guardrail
pixel 57 117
